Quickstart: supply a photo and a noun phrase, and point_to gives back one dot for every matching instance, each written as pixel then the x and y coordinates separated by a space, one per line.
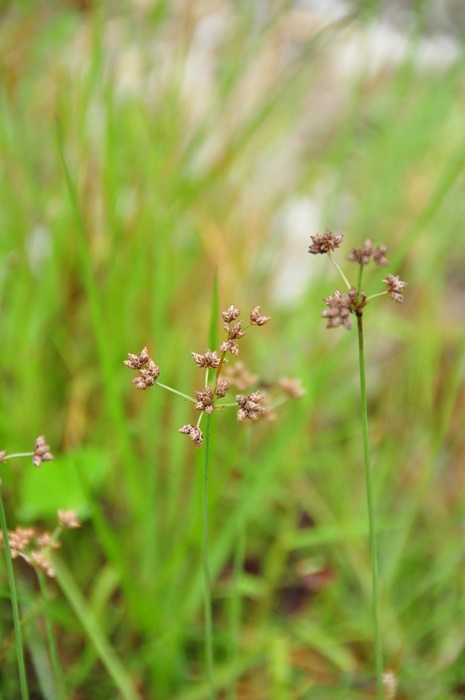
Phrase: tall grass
pixel 180 167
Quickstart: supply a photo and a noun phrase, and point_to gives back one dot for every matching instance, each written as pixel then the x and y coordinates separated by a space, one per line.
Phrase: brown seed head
pixel 40 560
pixel 394 287
pixel 230 346
pixel 194 433
pixel 292 387
pixel 338 311
pixel 204 401
pixel 379 256
pixel 362 254
pixel 256 318
pixel 148 370
pixel 68 519
pixel 357 301
pixel 231 314
pixel 137 361
pixel 2 455
pixel 250 406
pixel 221 388
pixel 325 242
pixel 45 541
pixel 147 376
pixel 210 359
pixel 234 330
pixel 41 452
pixel 238 375
pixel 19 539
pixel 390 684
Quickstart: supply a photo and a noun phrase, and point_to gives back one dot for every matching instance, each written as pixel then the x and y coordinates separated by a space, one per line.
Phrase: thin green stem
pixel 235 607
pixel 18 454
pixel 52 646
pixel 206 566
pixel 14 607
pixel 346 281
pixel 175 391
pixel 379 294
pixel 360 275
pixel 371 517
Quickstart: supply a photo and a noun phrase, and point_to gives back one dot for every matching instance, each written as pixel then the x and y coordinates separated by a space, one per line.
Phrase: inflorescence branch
pixel 207 400
pixel 341 306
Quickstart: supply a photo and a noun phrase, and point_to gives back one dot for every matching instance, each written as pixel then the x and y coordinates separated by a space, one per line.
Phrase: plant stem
pixel 235 607
pixel 371 517
pixel 52 646
pixel 346 281
pixel 14 607
pixel 18 454
pixel 175 391
pixel 206 567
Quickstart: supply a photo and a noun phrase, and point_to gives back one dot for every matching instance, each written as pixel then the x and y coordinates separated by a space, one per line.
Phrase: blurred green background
pixel 218 136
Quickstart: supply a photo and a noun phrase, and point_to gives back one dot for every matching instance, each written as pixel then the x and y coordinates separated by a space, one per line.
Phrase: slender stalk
pixel 52 646
pixel 235 607
pixel 371 516
pixel 14 607
pixel 206 566
pixel 175 391
pixel 346 281
pixel 18 454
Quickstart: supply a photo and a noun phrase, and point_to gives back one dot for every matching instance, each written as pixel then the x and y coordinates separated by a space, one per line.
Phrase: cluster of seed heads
pixel 40 454
pixel 25 542
pixel 340 305
pixel 207 400
pixel 35 547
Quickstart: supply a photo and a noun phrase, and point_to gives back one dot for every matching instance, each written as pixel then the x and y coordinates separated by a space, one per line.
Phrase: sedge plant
pixel 35 549
pixel 341 306
pixel 206 401
pixel 210 399
pixel 14 545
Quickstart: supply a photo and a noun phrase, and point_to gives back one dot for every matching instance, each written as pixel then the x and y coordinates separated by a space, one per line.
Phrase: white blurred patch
pixel 294 223
pixel 331 10
pixel 38 247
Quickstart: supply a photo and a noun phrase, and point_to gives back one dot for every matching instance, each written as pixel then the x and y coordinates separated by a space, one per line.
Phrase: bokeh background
pixel 145 146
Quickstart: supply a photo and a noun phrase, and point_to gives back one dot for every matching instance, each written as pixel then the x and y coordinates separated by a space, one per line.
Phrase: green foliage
pixel 132 176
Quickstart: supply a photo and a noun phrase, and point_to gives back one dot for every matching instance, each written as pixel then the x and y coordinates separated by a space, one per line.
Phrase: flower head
pixel 46 541
pixel 394 287
pixel 363 253
pixel 231 314
pixel 292 387
pixel 18 540
pixel 137 361
pixel 250 406
pixel 221 388
pixel 338 311
pixel 204 401
pixel 324 242
pixel 68 519
pixel 230 346
pixel 194 433
pixel 40 559
pixel 256 318
pixel 41 452
pixel 209 359
pixel 148 370
pixel 379 256
pixel 238 375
